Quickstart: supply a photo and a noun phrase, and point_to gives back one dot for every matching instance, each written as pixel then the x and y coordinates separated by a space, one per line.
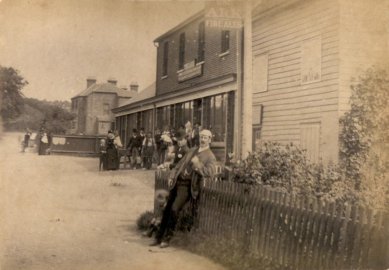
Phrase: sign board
pixel 311 61
pixel 223 15
pixel 190 72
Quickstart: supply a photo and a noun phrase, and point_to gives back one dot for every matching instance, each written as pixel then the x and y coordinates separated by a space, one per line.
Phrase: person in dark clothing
pixel 180 149
pixel 196 135
pixel 148 148
pixel 26 140
pixel 142 136
pixel 112 154
pixel 185 182
pixel 158 143
pixel 134 147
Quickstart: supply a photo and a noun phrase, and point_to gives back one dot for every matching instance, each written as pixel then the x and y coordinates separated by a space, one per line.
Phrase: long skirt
pixel 112 159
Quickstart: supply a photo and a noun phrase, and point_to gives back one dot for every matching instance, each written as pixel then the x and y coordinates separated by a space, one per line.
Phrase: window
pixel 310 140
pixel 181 53
pixel 215 112
pixel 106 108
pixel 260 73
pixel 257 114
pixel 201 43
pixel 165 58
pixel 257 125
pixel 225 42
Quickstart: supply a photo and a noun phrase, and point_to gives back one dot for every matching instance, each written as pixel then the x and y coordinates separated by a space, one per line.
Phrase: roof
pixel 181 25
pixel 146 93
pixel 105 88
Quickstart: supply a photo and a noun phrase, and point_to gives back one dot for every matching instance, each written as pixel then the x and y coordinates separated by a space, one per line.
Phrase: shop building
pixel 198 66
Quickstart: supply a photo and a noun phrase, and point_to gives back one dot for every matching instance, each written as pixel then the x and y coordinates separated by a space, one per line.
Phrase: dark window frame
pixel 201 43
pixel 225 41
pixel 181 51
pixel 165 60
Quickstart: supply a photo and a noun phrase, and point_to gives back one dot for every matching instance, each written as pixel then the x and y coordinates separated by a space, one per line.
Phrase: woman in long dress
pixel 112 155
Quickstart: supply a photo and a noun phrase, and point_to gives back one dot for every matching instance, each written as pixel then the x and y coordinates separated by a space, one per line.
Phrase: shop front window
pixel 214 119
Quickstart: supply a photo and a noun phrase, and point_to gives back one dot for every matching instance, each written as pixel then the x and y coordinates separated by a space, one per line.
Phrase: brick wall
pixel 214 65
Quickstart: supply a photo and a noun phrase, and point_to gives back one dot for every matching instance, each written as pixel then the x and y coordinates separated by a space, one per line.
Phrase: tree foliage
pixel 11 85
pixel 52 115
pixel 364 138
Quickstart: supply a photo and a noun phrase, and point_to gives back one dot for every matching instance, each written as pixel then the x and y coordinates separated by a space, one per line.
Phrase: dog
pixel 161 198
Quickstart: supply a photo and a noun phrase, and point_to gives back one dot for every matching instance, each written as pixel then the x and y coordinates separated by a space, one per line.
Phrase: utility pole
pixel 247 113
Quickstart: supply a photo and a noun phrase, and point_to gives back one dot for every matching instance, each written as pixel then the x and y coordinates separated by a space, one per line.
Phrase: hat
pixel 180 135
pixel 206 132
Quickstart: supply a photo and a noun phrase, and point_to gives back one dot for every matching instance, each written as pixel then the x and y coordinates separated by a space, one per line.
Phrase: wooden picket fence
pixel 293 232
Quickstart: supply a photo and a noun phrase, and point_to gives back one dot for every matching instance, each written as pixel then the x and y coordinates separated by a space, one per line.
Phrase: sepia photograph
pixel 194 134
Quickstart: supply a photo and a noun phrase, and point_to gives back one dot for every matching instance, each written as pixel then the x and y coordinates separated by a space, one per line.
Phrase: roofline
pixel 200 87
pixel 194 17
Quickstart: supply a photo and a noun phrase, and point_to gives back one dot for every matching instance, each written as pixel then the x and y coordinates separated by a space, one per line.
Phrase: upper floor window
pixel 201 42
pixel 225 41
pixel 165 58
pixel 181 53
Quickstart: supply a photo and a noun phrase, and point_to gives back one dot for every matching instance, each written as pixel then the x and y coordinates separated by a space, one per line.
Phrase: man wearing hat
pixel 180 149
pixel 185 182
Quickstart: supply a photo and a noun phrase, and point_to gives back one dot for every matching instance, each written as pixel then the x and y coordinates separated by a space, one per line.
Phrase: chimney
pixel 90 81
pixel 134 87
pixel 112 81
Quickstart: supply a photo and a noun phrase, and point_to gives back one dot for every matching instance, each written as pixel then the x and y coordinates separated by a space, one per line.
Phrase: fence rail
pixel 76 144
pixel 291 231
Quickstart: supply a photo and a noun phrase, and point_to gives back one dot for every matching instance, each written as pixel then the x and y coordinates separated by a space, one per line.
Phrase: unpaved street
pixel 59 212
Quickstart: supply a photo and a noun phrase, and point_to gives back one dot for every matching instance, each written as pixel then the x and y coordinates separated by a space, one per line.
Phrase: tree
pixel 11 85
pixel 364 138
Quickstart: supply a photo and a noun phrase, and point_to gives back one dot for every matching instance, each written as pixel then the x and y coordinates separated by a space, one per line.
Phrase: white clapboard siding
pixel 310 140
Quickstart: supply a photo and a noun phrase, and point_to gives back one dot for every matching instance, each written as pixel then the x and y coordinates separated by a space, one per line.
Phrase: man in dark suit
pixel 180 149
pixel 185 182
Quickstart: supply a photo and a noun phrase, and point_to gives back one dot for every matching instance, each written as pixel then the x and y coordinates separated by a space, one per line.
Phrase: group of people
pixel 185 152
pixel 143 149
pixel 42 141
pixel 189 171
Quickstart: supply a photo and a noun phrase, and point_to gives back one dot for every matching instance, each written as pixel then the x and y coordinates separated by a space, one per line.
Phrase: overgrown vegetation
pixel 362 174
pixel 19 112
pixel 364 140
pixel 11 85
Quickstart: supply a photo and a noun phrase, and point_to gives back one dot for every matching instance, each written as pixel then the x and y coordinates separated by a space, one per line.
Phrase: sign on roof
pixel 223 15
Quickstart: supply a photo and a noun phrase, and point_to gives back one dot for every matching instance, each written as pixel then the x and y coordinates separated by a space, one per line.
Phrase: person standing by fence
pixel 148 148
pixel 185 182
pixel 133 147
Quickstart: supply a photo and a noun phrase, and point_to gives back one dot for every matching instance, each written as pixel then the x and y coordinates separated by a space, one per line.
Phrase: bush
pixel 364 139
pixel 144 220
pixel 285 168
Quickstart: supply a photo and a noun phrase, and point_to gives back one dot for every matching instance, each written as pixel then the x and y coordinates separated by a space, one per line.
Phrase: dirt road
pixel 59 212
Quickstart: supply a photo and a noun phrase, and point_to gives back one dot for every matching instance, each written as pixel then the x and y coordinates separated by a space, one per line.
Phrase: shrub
pixel 364 138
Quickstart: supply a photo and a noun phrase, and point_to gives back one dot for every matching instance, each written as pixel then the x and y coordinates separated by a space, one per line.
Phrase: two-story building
pixel 291 85
pixel 198 78
pixel 304 55
pixel 93 106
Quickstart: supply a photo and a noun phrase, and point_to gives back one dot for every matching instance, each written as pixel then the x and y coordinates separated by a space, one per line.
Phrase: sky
pixel 56 44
